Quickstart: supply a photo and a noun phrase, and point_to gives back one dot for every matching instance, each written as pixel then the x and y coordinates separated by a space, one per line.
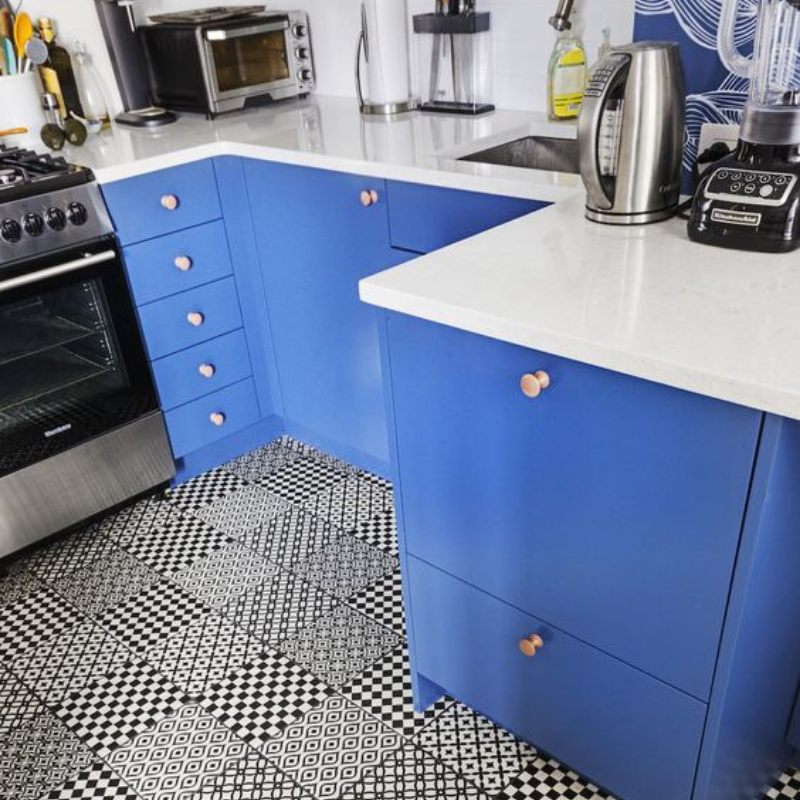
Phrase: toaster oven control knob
pixel 304 75
pixel 10 231
pixel 300 30
pixel 302 53
pixel 33 224
pixel 56 219
pixel 77 213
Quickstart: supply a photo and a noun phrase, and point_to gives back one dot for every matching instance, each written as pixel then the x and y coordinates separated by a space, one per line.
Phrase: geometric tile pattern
pixel 171 761
pixel 383 602
pixel 137 520
pixel 384 689
pixel 306 750
pixel 224 575
pixel 350 503
pixel 98 782
pixel 110 711
pixel 17 704
pixel 547 779
pixel 302 480
pixel 472 745
pixel 204 490
pixel 262 462
pixel 261 699
pixel 340 645
pixel 309 451
pixel 379 531
pixel 16 583
pixel 787 787
pixel 241 512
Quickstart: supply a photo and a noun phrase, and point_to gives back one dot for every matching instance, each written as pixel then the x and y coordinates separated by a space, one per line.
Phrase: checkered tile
pixel 302 479
pixel 225 575
pixel 111 711
pixel 261 699
pixel 239 513
pixel 383 602
pixel 99 782
pixel 787 787
pixel 340 645
pixel 15 583
pixel 262 462
pixel 384 689
pixel 18 704
pixel 351 502
pixel 547 779
pixel 379 531
pixel 150 617
pixel 137 520
pixel 381 483
pixel 309 451
pixel 204 490
pixel 55 559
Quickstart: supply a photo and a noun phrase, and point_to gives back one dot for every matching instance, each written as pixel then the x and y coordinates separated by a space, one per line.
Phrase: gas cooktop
pixel 24 173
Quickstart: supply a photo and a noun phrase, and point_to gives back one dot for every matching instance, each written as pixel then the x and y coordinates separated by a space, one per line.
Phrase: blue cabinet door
pixel 609 506
pixel 315 242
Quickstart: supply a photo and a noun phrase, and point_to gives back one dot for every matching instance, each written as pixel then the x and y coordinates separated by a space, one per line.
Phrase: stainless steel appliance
pixel 750 200
pixel 213 67
pixel 80 426
pixel 630 134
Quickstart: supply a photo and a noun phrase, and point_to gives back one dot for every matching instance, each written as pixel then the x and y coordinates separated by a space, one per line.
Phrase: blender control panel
pixel 755 188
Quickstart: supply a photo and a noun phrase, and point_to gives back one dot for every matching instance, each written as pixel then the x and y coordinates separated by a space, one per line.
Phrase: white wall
pixel 522 40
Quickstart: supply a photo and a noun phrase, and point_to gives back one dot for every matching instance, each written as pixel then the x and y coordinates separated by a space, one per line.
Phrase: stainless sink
pixel 532 152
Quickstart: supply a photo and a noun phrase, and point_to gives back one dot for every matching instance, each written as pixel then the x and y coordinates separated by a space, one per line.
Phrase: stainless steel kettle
pixel 631 132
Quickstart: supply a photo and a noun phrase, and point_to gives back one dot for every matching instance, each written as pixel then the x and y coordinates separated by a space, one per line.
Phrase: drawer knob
pixel 532 645
pixel 534 383
pixel 207 370
pixel 183 263
pixel 218 418
pixel 369 197
pixel 170 202
pixel 195 318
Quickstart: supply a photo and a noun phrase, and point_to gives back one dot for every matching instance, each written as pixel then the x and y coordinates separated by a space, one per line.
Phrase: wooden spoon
pixel 6 24
pixel 13 132
pixel 23 30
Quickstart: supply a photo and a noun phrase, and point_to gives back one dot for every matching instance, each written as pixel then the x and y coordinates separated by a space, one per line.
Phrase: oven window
pixel 246 61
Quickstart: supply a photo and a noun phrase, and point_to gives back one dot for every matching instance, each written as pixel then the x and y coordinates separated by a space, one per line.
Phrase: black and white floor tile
pixel 241 638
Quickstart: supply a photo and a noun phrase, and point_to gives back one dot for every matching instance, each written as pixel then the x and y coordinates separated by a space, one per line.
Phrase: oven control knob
pixel 300 30
pixel 305 75
pixel 77 213
pixel 302 53
pixel 56 219
pixel 33 224
pixel 10 231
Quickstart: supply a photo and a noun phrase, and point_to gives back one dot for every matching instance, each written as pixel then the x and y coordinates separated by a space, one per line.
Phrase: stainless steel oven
pixel 213 67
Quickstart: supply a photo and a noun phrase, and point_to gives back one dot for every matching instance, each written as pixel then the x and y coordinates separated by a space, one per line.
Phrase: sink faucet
pixel 560 20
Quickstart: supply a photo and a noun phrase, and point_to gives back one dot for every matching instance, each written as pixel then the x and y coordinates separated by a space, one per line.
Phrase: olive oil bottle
pixel 57 74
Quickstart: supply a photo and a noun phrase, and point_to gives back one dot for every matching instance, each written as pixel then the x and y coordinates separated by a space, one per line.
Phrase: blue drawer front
pixel 425 218
pixel 191 428
pixel 136 206
pixel 628 732
pixel 154 267
pixel 225 361
pixel 166 326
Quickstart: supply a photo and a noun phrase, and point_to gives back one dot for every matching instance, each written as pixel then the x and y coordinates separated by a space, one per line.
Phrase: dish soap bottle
pixel 567 74
pixel 95 110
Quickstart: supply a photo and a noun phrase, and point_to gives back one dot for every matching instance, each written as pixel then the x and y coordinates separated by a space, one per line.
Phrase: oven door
pixel 252 59
pixel 72 360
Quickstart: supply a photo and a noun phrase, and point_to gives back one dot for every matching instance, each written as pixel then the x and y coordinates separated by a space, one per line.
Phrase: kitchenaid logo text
pixel 56 431
pixel 746 218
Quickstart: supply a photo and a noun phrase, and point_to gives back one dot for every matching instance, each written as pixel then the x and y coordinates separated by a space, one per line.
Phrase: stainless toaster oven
pixel 222 66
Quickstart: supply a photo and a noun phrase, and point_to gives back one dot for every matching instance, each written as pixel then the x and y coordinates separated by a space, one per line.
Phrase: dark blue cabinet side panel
pixel 425 218
pixel 746 745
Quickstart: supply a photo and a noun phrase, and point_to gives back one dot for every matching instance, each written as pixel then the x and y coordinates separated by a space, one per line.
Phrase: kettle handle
pixel 726 41
pixel 607 75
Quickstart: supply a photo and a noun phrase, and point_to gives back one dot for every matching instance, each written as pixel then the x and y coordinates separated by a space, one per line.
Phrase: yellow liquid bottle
pixel 567 76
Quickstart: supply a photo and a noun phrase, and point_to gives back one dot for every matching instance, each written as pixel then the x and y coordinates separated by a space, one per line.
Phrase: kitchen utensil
pixel 13 132
pixel 35 53
pixel 6 24
pixel 23 31
pixel 11 57
pixel 630 134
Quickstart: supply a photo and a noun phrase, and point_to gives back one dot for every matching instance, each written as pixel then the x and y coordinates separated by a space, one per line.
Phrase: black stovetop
pixel 24 173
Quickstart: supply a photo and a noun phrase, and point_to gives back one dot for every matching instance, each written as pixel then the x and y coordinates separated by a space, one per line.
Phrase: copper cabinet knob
pixel 207 370
pixel 217 418
pixel 534 383
pixel 369 197
pixel 531 646
pixel 195 318
pixel 183 263
pixel 170 202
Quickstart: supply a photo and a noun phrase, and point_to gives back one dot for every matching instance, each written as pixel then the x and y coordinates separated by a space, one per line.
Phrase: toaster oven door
pixel 249 60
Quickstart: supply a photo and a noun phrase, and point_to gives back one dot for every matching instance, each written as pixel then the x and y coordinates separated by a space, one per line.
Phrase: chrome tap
pixel 560 20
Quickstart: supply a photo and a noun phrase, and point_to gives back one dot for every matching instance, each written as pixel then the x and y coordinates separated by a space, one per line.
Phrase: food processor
pixel 751 199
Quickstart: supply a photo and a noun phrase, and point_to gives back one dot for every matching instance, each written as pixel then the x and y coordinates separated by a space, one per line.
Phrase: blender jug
pixel 772 115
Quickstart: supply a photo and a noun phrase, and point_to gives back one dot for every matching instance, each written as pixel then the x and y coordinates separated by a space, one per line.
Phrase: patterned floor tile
pixel 33 617
pixel 262 462
pixel 309 451
pixel 383 602
pixel 290 538
pixel 331 747
pixel 111 711
pixel 547 779
pixel 205 653
pixel 346 566
pixel 241 512
pixel 15 583
pixel 279 608
pixel 384 689
pixel 137 520
pixel 204 490
pixel 340 645
pixel 173 760
pixel 98 782
pixel 38 757
pixel 152 616
pixel 411 774
pixel 105 582
pixel 67 661
pixel 350 503
pixel 472 745
pixel 381 483
pixel 261 699
pixel 379 531
pixel 302 479
pixel 787 787
pixel 251 778
pixel 225 575
pixel 18 705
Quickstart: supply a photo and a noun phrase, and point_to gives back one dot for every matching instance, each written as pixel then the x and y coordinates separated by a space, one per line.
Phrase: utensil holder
pixel 21 101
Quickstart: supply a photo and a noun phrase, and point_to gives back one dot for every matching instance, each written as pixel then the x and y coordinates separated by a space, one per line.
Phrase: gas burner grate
pixel 25 171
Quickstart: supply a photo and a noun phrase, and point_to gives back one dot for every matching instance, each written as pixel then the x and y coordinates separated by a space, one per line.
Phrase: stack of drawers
pixel 180 271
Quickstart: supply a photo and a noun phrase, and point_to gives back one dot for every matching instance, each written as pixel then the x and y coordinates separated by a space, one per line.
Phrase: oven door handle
pixel 221 34
pixel 57 271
